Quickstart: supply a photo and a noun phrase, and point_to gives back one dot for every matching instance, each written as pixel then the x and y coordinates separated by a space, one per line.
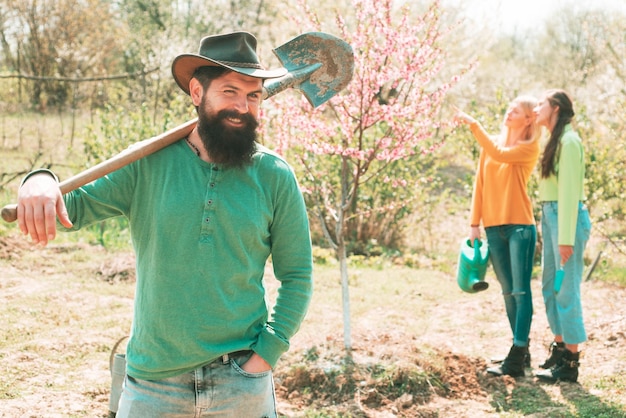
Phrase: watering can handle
pixel 476 249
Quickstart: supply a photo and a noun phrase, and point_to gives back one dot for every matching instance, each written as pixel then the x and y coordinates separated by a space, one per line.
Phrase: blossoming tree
pixel 383 117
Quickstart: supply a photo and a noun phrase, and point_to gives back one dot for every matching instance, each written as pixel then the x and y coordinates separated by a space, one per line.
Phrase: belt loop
pixel 225 359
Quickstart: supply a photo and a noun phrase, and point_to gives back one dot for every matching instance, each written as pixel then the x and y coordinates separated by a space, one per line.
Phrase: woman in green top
pixel 565 229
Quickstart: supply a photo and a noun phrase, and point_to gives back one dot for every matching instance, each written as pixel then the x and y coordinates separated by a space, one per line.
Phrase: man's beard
pixel 228 146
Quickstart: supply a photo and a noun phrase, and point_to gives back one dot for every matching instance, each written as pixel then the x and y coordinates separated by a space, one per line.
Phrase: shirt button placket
pixel 209 206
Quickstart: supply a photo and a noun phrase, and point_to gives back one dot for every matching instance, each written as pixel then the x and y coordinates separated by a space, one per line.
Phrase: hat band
pixel 240 64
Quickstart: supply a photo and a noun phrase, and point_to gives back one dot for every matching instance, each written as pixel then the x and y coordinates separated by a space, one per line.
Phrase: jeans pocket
pixel 244 373
pixel 524 232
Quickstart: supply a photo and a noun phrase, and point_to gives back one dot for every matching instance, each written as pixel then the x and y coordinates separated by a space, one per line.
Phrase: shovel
pixel 318 64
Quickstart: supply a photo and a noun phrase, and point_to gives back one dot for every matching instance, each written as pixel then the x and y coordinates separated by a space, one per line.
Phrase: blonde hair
pixel 532 131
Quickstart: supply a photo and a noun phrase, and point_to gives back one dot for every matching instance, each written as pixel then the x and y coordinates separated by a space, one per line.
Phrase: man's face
pixel 227 118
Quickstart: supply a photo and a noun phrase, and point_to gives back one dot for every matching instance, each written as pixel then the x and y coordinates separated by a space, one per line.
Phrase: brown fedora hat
pixel 235 51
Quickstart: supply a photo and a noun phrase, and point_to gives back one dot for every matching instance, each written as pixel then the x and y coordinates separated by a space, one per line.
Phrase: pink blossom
pixel 385 114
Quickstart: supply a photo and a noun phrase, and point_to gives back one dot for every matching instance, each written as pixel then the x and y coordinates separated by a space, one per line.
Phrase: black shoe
pixel 566 370
pixel 556 352
pixel 513 364
pixel 499 360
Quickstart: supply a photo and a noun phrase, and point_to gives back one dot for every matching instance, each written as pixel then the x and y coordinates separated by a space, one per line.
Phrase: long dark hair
pixel 565 115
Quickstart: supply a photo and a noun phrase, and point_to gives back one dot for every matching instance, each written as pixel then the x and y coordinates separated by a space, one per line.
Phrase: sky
pixel 520 15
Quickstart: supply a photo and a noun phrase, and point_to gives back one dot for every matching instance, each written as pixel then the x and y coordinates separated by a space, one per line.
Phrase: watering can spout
pixel 472 266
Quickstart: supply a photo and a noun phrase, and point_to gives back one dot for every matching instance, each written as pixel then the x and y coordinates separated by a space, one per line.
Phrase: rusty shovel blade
pixel 320 65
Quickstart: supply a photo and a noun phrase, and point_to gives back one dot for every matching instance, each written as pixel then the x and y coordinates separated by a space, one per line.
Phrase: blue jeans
pixel 564 309
pixel 218 389
pixel 511 251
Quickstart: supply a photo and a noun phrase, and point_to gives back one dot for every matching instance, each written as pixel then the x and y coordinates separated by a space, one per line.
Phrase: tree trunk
pixel 345 294
pixel 340 234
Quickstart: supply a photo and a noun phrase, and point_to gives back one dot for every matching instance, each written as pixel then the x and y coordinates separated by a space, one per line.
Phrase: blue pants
pixel 564 309
pixel 218 389
pixel 511 251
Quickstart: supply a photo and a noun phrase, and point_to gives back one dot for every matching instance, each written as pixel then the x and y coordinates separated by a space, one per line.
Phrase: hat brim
pixel 185 65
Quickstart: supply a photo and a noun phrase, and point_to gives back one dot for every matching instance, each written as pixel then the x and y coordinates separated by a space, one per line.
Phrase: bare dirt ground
pixel 437 371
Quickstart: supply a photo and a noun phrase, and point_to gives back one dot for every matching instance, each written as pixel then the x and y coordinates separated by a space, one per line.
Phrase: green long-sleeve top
pixel 566 186
pixel 202 235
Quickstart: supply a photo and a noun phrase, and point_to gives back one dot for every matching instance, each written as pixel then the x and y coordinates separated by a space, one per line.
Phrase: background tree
pixel 576 49
pixel 580 49
pixel 52 40
pixel 359 153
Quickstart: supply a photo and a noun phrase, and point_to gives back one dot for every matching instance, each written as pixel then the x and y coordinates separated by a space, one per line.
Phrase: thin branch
pixel 79 79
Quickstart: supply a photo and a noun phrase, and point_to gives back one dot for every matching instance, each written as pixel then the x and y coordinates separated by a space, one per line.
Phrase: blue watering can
pixel 473 266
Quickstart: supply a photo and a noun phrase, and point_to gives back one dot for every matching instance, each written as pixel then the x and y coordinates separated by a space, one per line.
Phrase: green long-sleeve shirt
pixel 202 235
pixel 566 187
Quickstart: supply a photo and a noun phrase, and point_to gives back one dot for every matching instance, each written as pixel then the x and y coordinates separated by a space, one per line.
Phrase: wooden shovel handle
pixel 129 155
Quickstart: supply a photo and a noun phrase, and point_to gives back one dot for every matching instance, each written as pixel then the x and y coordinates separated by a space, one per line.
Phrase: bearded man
pixel 205 213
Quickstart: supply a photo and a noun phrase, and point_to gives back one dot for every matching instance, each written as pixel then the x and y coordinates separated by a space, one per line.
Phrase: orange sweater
pixel 500 190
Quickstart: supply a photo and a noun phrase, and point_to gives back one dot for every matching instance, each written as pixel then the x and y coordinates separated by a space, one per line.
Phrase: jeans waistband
pixel 225 358
pixel 555 204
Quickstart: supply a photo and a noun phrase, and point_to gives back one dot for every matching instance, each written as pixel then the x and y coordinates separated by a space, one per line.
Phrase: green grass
pixel 57 137
pixel 614 274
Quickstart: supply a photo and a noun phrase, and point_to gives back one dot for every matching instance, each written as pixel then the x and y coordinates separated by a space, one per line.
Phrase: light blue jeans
pixel 564 309
pixel 218 389
pixel 511 251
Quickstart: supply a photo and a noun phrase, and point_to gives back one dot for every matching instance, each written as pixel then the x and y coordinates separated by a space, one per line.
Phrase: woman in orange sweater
pixel 500 200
